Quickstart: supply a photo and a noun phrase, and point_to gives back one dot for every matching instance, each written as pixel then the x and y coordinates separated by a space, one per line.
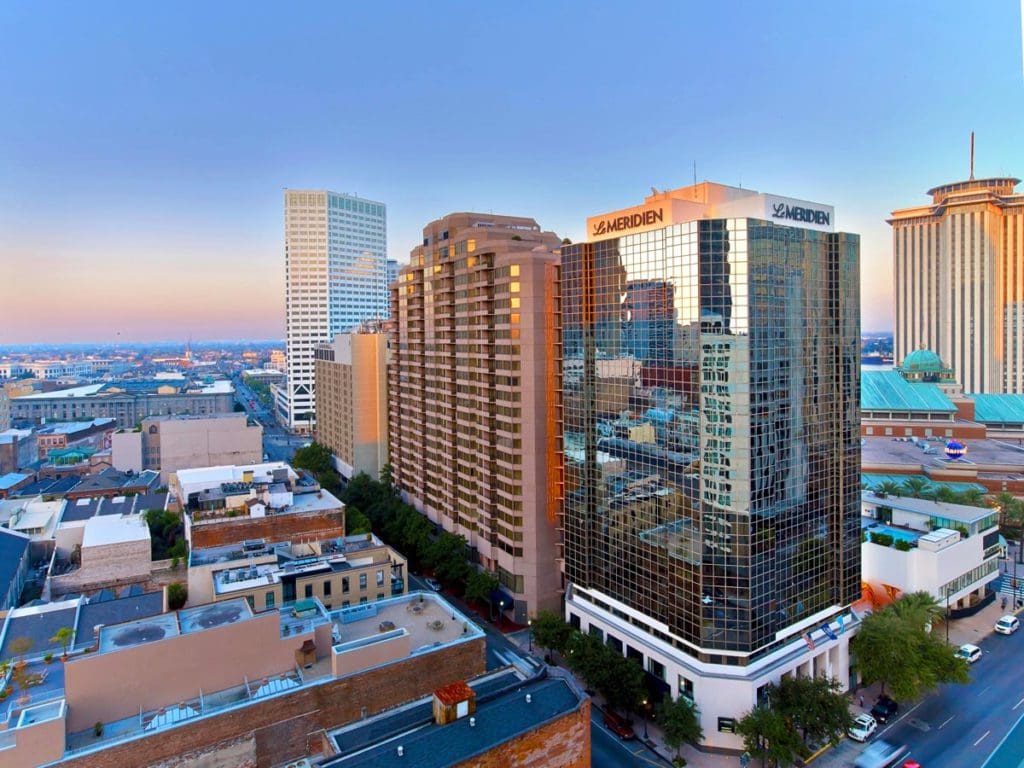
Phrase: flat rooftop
pixel 429 621
pixel 961 513
pixel 499 718
pixel 164 625
pixel 103 530
pixel 85 391
pixel 984 453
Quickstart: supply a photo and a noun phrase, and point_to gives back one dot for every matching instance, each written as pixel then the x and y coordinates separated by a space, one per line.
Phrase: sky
pixel 144 147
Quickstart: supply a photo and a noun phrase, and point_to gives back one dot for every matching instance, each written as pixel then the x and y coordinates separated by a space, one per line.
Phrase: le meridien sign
pixel 801 214
pixel 629 221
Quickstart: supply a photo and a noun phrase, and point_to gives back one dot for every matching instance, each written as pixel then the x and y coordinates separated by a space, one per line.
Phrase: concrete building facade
pixel 959 272
pixel 712 473
pixel 473 401
pixel 352 401
pixel 127 404
pixel 335 248
pixel 170 443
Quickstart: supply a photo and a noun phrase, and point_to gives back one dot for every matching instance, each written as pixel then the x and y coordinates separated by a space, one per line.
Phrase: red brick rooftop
pixel 453 693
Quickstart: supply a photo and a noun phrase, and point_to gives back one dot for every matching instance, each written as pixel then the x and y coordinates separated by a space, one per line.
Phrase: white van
pixel 879 754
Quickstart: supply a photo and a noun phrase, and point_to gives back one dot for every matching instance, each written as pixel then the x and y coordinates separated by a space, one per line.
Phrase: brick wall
pixel 290 726
pixel 562 743
pixel 293 527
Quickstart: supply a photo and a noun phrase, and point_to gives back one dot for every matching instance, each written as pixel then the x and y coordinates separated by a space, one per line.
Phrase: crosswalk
pixel 1012 589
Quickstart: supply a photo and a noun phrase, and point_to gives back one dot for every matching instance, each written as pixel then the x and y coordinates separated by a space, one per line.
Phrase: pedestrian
pixel 1004 602
pixel 862 702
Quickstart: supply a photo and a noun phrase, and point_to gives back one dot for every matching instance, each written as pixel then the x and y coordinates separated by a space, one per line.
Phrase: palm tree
pixel 1014 515
pixel 888 488
pixel 64 636
pixel 915 487
pixel 1002 502
pixel 919 609
pixel 947 494
pixel 972 497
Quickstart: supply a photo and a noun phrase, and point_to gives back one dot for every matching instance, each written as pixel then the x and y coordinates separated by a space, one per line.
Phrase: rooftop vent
pixel 400 751
pixel 529 698
pixel 472 722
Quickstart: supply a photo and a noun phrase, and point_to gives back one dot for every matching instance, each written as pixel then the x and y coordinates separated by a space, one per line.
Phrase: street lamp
pixel 644 715
pixel 529 624
pixel 947 614
pixel 501 610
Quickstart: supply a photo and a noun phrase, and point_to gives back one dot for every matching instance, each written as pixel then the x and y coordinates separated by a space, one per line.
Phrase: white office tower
pixel 335 250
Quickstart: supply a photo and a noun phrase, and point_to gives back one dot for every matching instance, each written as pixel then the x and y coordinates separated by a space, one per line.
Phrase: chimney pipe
pixel 472 722
pixel 529 698
pixel 400 750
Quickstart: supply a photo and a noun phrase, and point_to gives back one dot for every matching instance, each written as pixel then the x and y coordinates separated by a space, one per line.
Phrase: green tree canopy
pixel 550 631
pixel 814 705
pixel 622 682
pixel 893 648
pixel 768 736
pixel 680 722
pixel 588 658
pixel 447 556
pixel 480 585
pixel 177 595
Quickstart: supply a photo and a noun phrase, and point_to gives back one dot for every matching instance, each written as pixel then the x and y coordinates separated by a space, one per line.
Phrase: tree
pixel 1014 514
pixel 19 646
pixel 680 722
pixel 945 494
pixel 814 705
pixel 622 681
pixel 588 658
pixel 888 488
pixel 314 458
pixel 64 636
pixel 767 735
pixel 972 497
pixel 550 631
pixel 915 487
pixel 447 556
pixel 893 648
pixel 920 609
pixel 177 595
pixel 356 521
pixel 480 585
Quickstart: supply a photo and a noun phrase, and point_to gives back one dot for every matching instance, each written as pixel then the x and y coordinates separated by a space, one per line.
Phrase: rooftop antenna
pixel 972 156
pixel 694 173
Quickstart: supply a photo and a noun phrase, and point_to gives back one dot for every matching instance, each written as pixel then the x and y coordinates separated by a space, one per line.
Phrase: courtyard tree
pixel 680 722
pixel 767 735
pixel 64 636
pixel 814 705
pixel 550 631
pixel 480 585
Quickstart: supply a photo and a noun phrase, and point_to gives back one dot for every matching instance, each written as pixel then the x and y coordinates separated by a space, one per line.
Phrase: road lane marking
pixel 986 733
pixel 1018 703
pixel 982 691
pixel 946 721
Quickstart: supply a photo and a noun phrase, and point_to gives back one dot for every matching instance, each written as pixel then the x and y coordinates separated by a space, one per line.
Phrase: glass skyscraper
pixel 712 452
pixel 336 275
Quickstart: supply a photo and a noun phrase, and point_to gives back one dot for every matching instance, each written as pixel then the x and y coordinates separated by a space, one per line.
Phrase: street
pixel 278 443
pixel 959 726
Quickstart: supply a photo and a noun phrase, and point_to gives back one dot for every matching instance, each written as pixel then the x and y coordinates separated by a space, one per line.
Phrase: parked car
pixel 1007 625
pixel 911 764
pixel 885 709
pixel 434 584
pixel 969 653
pixel 617 725
pixel 879 754
pixel 862 728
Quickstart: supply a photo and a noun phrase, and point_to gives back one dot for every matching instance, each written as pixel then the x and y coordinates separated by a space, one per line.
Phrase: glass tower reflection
pixel 710 420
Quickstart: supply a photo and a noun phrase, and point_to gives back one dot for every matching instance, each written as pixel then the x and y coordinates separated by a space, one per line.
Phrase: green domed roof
pixel 923 360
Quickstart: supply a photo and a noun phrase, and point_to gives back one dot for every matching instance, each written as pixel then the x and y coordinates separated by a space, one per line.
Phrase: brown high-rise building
pixel 474 394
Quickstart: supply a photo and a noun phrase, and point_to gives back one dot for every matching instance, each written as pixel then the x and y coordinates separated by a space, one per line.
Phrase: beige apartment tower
pixel 473 395
pixel 959 272
pixel 352 400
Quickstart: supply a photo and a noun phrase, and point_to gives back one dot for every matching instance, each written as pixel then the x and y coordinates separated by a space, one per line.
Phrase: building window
pixel 380 578
pixel 686 688
pixel 270 599
pixel 656 668
pixel 308 590
pixel 362 600
pixel 362 581
pixel 344 585
pixel 327 589
pixel 574 621
pixel 727 725
pixel 614 643
pixel 380 595
pixel 345 603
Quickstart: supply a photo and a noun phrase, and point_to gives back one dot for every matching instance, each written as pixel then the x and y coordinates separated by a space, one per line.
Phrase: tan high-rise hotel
pixel 473 394
pixel 959 271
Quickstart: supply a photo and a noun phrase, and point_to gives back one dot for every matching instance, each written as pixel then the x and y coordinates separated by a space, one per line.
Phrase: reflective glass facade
pixel 711 419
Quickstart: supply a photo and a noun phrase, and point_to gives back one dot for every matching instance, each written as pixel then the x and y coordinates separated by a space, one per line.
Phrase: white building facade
pixel 335 278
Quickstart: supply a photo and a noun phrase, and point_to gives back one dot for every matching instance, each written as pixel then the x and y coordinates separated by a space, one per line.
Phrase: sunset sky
pixel 144 147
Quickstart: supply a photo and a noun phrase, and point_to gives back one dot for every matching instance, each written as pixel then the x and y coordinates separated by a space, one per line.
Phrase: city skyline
pixel 144 155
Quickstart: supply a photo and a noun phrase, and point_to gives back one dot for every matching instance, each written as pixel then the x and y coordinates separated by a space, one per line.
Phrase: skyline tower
pixel 473 395
pixel 711 440
pixel 335 248
pixel 958 268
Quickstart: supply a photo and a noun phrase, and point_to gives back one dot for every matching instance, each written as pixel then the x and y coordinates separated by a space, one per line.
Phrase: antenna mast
pixel 972 156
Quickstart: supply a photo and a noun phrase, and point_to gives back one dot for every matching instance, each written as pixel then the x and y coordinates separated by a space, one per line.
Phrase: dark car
pixel 885 709
pixel 618 726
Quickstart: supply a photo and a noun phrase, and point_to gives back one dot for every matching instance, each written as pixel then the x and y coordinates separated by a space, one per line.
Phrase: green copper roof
pixel 889 391
pixel 923 360
pixel 998 409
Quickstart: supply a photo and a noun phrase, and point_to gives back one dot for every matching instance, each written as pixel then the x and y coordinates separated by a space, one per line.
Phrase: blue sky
pixel 144 147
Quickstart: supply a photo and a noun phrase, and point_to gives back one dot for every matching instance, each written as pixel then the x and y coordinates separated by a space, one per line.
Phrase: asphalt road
pixel 278 443
pixel 959 726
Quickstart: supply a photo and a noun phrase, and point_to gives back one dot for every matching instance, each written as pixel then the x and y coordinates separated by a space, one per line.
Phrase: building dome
pixel 923 361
